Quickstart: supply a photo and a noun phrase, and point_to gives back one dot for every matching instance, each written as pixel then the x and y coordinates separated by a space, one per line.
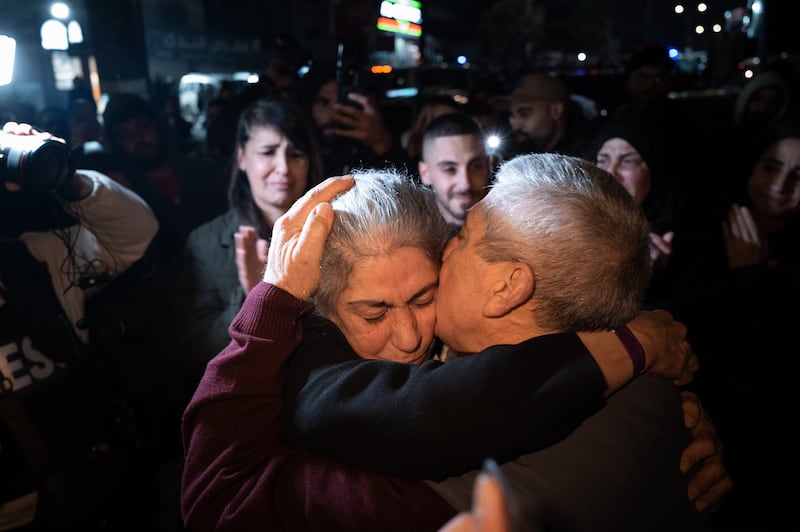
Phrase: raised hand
pixel 661 249
pixel 743 242
pixel 251 256
pixel 366 126
pixel 489 511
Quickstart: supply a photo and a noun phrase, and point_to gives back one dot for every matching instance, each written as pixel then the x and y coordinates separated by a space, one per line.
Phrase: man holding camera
pixel 64 234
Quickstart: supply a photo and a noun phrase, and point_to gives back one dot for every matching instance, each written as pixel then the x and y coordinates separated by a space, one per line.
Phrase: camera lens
pixel 49 166
pixel 33 162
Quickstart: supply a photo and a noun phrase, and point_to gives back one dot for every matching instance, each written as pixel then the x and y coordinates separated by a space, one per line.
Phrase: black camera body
pixel 34 162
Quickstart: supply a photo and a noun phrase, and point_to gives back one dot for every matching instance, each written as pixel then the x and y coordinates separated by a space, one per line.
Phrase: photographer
pixel 63 235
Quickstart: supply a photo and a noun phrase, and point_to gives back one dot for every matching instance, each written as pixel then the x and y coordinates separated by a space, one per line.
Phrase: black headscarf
pixel 650 133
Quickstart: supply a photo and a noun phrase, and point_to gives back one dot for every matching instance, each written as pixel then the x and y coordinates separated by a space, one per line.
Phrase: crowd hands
pixel 232 216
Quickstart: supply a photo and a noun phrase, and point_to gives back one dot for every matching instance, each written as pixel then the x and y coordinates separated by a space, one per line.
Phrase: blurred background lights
pixel 54 35
pixel 7 48
pixel 74 32
pixel 581 56
pixel 678 9
pixel 461 59
pixel 701 7
pixel 59 10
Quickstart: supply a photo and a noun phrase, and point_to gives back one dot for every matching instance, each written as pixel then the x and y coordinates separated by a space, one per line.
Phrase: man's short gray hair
pixel 580 231
pixel 384 211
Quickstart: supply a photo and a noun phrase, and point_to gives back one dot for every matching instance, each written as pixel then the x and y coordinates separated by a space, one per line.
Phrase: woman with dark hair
pixel 739 297
pixel 275 161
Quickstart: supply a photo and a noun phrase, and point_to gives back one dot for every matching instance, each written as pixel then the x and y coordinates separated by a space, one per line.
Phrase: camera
pixel 34 162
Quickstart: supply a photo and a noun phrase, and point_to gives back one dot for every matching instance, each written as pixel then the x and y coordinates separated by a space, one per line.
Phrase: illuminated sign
pixel 401 16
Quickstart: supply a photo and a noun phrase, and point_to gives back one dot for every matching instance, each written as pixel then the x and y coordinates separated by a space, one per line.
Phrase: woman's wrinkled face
pixel 774 185
pixel 276 170
pixel 617 157
pixel 387 311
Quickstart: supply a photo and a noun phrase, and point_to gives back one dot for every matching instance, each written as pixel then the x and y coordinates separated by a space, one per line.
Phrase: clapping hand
pixel 661 249
pixel 743 242
pixel 251 256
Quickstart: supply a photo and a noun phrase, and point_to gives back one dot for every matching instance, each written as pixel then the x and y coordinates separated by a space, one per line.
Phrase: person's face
pixel 387 311
pixel 774 186
pixel 647 83
pixel 138 139
pixel 322 107
pixel 764 105
pixel 457 168
pixel 620 159
pixel 465 281
pixel 533 124
pixel 276 170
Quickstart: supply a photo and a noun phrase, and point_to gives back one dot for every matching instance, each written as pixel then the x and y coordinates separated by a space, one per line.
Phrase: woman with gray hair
pixel 388 222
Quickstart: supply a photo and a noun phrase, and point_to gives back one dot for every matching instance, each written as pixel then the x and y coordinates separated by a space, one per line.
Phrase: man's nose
pixel 462 179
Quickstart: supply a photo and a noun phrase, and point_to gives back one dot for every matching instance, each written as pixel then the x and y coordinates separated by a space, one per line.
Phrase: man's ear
pixel 512 288
pixel 422 168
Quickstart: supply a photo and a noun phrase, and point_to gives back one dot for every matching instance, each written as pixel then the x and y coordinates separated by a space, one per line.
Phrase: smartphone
pixel 347 75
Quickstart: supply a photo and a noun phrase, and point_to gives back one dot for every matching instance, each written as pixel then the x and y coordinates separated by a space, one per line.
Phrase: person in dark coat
pixel 275 161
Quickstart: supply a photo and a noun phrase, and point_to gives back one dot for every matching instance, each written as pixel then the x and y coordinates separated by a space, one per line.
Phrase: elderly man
pixel 333 498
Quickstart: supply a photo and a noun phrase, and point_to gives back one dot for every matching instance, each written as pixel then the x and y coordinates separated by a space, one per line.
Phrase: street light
pixel 62 37
pixel 58 35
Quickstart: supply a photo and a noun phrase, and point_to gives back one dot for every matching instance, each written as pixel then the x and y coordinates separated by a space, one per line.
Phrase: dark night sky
pixel 634 20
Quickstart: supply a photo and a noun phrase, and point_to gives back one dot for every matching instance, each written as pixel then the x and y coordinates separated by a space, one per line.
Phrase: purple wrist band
pixel 633 347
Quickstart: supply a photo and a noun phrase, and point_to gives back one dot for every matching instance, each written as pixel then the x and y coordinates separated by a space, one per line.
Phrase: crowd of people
pixel 313 319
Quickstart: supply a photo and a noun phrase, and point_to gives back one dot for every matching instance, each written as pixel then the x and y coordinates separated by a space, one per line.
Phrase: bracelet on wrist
pixel 633 347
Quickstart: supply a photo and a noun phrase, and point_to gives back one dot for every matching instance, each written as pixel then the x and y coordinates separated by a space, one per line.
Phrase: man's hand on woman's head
pixel 298 239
